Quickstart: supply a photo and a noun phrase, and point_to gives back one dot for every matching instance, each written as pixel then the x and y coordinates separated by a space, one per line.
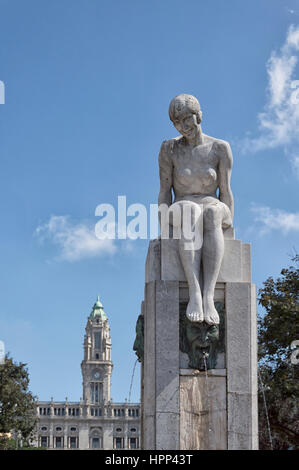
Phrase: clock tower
pixel 97 365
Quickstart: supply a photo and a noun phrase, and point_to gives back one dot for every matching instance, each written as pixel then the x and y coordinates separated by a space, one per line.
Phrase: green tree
pixel 17 404
pixel 278 328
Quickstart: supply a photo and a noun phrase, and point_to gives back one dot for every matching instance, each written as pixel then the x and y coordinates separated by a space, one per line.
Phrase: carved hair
pixel 181 103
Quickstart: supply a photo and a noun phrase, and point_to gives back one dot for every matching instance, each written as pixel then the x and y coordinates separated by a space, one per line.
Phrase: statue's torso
pixel 195 170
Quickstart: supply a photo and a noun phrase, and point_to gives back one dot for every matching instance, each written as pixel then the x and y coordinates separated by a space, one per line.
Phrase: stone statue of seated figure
pixel 196 168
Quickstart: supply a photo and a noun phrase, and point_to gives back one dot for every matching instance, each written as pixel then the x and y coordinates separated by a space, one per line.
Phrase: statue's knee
pixel 184 213
pixel 212 216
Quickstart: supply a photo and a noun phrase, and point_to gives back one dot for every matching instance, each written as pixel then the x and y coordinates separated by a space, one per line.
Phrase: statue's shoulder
pixel 223 151
pixel 217 143
pixel 168 147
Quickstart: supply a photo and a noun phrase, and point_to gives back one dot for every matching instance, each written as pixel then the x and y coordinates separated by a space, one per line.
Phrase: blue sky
pixel 87 89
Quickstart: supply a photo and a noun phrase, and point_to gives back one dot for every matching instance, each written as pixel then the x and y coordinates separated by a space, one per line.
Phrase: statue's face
pixel 202 334
pixel 187 124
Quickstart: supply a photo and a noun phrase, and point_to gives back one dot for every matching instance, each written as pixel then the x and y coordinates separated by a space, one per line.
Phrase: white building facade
pixel 94 422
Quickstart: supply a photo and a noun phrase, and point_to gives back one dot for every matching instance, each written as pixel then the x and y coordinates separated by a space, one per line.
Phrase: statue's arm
pixel 165 170
pixel 225 170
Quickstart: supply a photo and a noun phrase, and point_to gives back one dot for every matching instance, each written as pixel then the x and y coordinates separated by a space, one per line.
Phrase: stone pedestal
pixel 184 408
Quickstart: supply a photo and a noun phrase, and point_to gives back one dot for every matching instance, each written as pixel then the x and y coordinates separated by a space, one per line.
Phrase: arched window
pixel 96 439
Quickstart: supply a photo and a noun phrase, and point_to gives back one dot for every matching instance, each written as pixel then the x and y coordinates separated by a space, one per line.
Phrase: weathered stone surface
pixel 203 420
pixel 167 364
pixel 149 403
pixel 153 261
pixel 241 357
pixel 246 262
pixel 161 365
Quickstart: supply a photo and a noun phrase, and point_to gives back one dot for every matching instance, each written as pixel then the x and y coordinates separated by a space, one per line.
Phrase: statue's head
pixel 185 113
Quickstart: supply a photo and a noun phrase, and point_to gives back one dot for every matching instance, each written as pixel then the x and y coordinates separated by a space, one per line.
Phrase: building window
pixel 97 340
pixel 73 429
pixel 73 443
pixel 96 412
pixel 74 411
pixel 58 429
pixel 97 356
pixel 133 429
pixel 44 441
pixel 96 392
pixel 134 412
pixel 133 443
pixel 58 442
pixel 44 428
pixel 118 443
pixel 118 429
pixel 95 443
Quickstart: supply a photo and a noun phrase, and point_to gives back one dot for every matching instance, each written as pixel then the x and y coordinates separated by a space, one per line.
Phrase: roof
pixel 98 311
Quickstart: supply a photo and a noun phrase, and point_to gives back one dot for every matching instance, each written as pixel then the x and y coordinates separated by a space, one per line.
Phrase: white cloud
pixel 279 121
pixel 275 219
pixel 75 241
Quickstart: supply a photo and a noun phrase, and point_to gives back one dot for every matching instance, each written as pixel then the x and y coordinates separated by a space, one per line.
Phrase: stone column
pixel 241 357
pixel 161 366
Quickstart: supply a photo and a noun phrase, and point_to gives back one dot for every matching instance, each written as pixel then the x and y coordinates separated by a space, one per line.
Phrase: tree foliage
pixel 278 328
pixel 17 404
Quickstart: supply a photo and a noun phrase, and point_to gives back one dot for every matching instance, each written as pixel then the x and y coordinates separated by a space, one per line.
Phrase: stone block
pixel 235 266
pixel 203 421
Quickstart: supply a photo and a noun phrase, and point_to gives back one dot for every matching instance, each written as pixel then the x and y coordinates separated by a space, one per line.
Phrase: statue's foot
pixel 210 313
pixel 194 310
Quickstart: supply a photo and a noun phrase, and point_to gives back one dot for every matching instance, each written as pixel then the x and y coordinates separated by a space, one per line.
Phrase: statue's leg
pixel 191 263
pixel 212 254
pixel 190 254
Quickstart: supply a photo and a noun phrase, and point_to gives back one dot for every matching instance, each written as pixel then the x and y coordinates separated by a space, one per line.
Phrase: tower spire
pixel 98 311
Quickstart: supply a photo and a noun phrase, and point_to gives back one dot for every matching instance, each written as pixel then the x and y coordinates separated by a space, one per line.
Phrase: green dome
pixel 98 311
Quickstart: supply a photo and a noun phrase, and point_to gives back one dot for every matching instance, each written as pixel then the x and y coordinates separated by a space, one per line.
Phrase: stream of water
pixel 266 409
pixel 132 378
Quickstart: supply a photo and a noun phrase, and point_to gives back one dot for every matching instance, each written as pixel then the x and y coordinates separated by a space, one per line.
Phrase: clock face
pixel 96 375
